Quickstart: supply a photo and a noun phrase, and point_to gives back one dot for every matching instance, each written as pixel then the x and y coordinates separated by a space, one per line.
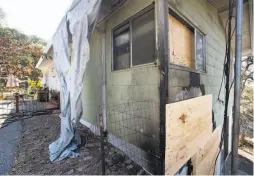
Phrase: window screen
pixel 121 48
pixel 143 39
pixel 200 58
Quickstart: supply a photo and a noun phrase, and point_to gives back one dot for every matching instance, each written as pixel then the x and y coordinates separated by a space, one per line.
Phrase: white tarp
pixel 78 23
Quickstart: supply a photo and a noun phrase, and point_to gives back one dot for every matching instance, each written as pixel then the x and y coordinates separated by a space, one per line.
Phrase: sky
pixel 35 17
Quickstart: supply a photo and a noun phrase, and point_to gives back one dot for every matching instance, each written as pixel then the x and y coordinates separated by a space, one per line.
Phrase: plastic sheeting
pixel 78 25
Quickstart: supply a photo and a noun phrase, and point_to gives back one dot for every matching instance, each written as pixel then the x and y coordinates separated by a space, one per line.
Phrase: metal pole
pixel 103 121
pixel 104 92
pixel 237 88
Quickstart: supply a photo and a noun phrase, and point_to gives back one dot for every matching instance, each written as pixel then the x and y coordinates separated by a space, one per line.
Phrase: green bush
pixel 34 84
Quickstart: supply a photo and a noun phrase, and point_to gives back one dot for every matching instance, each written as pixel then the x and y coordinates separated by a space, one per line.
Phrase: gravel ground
pixel 9 138
pixel 32 156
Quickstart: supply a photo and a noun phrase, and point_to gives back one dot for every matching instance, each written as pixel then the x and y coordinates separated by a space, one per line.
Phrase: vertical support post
pixel 103 135
pixel 17 102
pixel 162 42
pixel 237 88
pixel 59 100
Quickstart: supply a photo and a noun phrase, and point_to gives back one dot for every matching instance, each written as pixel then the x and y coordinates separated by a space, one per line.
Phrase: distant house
pixel 46 65
pixel 129 38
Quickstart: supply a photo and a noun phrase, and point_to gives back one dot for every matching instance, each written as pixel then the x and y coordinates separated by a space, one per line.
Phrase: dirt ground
pixel 32 156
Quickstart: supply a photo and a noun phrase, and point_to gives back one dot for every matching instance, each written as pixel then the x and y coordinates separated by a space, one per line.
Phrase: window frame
pixel 129 21
pixel 190 25
pixel 204 50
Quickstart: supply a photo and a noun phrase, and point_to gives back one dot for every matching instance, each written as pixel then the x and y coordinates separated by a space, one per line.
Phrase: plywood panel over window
pixel 181 43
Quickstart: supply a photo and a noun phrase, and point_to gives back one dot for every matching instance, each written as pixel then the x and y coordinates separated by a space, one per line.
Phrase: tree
pixel 247 90
pixel 2 16
pixel 246 109
pixel 247 72
pixel 20 53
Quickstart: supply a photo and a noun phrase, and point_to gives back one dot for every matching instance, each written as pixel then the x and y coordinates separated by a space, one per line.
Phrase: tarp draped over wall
pixel 78 25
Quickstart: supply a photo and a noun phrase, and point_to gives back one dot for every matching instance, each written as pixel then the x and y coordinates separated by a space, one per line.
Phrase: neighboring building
pixel 46 65
pixel 131 30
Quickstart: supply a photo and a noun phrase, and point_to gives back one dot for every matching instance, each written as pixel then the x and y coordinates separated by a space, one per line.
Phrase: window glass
pixel 121 48
pixel 143 39
pixel 200 58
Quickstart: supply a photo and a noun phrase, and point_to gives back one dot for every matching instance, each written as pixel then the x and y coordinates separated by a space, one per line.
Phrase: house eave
pixel 43 63
pixel 247 35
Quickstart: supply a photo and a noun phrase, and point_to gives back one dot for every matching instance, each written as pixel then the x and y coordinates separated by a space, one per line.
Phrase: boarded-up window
pixel 185 47
pixel 181 43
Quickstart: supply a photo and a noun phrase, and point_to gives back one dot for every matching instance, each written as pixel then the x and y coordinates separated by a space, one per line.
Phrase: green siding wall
pixel 91 94
pixel 135 89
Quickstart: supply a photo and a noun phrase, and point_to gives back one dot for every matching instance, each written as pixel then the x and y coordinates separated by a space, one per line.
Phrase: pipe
pixel 103 126
pixel 104 92
pixel 251 7
pixel 237 87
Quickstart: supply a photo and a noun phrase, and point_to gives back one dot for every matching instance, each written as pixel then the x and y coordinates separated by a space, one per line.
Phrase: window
pixel 134 42
pixel 200 54
pixel 143 39
pixel 186 44
pixel 122 48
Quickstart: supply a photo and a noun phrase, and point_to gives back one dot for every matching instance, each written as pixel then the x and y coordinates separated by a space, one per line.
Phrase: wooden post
pixel 58 101
pixel 17 102
pixel 162 21
pixel 103 137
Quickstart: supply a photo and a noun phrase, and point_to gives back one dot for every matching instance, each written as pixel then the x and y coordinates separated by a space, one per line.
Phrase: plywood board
pixel 181 44
pixel 188 126
pixel 205 159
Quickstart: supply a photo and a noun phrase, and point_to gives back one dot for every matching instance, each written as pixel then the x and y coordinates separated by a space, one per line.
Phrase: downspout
pixel 103 127
pixel 104 92
pixel 237 86
pixel 251 26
